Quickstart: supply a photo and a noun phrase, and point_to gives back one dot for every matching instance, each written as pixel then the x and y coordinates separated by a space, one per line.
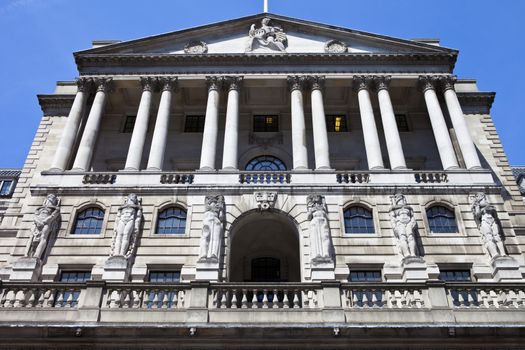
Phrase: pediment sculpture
pixel 321 248
pixel 127 227
pixel 45 224
pixel 404 226
pixel 266 36
pixel 212 229
pixel 486 218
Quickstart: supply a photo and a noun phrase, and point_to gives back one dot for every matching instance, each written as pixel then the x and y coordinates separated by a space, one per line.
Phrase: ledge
pixel 55 104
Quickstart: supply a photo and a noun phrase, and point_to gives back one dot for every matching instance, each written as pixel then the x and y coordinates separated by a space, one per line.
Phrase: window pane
pixel 441 220
pixel 172 221
pixel 336 123
pixel 358 220
pixel 455 275
pixel 265 123
pixel 266 163
pixel 75 276
pixel 129 124
pixel 194 123
pixel 5 189
pixel 89 222
pixel 365 276
pixel 164 276
pixel 402 122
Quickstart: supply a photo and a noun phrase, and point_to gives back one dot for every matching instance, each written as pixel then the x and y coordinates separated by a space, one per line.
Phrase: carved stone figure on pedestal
pixel 212 229
pixel 271 37
pixel 45 224
pixel 486 218
pixel 320 242
pixel 127 227
pixel 404 226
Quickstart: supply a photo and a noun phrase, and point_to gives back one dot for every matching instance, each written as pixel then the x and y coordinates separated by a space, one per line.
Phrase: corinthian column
pixel 136 146
pixel 372 146
pixel 470 155
pixel 89 137
pixel 67 141
pixel 321 148
pixel 231 132
pixel 211 124
pixel 300 153
pixel 439 126
pixel 160 134
pixel 393 141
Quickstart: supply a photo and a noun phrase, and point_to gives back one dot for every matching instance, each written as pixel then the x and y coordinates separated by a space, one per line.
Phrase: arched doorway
pixel 264 247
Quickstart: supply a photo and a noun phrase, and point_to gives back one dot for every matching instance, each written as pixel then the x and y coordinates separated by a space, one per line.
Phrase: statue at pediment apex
pixel 268 36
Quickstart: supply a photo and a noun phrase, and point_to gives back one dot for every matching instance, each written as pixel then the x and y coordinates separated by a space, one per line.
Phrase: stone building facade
pixel 264 178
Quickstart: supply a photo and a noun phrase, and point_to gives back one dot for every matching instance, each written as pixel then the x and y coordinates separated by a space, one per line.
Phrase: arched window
pixel 265 163
pixel 441 220
pixel 172 221
pixel 358 220
pixel 89 221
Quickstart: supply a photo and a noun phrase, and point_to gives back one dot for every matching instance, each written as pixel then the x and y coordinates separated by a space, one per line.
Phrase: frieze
pixel 56 105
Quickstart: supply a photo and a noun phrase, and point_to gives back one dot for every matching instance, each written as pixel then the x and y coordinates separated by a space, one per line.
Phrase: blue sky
pixel 39 36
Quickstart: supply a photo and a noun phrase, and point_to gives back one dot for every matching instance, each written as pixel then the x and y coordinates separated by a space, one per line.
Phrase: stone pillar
pixel 136 146
pixel 470 155
pixel 89 137
pixel 393 141
pixel 231 131
pixel 211 124
pixel 321 148
pixel 67 141
pixel 439 126
pixel 160 134
pixel 373 148
pixel 300 154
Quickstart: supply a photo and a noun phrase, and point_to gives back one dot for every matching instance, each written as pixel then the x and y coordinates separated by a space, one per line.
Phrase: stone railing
pixel 145 296
pixel 390 297
pixel 255 178
pixel 486 297
pixel 352 178
pixel 99 178
pixel 47 295
pixel 177 179
pixel 431 177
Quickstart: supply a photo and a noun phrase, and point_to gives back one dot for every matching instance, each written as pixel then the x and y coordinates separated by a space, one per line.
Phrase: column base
pixel 454 167
pixel 377 168
pixel 78 170
pixel 206 169
pixel 55 170
pixel 228 169
pixel 130 169
pixel 153 169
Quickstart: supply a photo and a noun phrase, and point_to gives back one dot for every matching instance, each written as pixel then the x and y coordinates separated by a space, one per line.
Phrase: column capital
pixel 233 82
pixel 382 82
pixel 104 84
pixel 316 82
pixel 363 82
pixel 168 83
pixel 149 83
pixel 448 82
pixel 296 82
pixel 84 84
pixel 214 82
pixel 428 82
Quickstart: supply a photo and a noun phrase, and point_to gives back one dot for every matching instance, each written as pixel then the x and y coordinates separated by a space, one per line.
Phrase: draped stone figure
pixel 320 242
pixel 45 223
pixel 404 225
pixel 487 220
pixel 212 229
pixel 127 227
pixel 271 37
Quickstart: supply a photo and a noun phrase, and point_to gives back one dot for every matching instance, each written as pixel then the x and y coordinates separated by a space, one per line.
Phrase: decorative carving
pixel 212 229
pixel 104 84
pixel 99 179
pixel 427 82
pixel 233 83
pixel 127 227
pixel 84 84
pixel 320 241
pixel 265 200
pixel 176 179
pixel 45 224
pixel 196 47
pixel 363 82
pixel 168 83
pixel 271 37
pixel 335 46
pixel 214 82
pixel 149 83
pixel 265 142
pixel 487 220
pixel 382 82
pixel 297 82
pixel 404 226
pixel 316 82
pixel 448 82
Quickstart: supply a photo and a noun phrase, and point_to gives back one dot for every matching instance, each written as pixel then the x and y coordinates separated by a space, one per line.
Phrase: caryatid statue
pixel 486 218
pixel 404 225
pixel 320 240
pixel 127 227
pixel 272 37
pixel 212 229
pixel 45 223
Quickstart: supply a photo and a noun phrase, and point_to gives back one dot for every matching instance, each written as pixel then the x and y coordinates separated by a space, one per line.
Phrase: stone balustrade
pixel 50 295
pixel 255 178
pixel 401 297
pixel 486 297
pixel 352 177
pixel 145 296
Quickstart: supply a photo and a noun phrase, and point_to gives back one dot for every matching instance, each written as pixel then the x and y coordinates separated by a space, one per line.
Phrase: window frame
pixel 276 115
pixel 365 270
pixel 11 187
pixel 346 123
pixel 409 127
pixel 456 218
pixel 185 126
pixel 151 233
pixel 123 129
pixel 159 211
pixel 359 234
pixel 269 156
pixel 74 214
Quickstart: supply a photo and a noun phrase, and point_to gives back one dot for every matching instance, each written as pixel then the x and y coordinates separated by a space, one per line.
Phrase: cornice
pixel 55 105
pixel 476 102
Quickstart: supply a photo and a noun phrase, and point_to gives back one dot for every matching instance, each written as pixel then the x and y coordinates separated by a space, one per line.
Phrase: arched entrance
pixel 264 247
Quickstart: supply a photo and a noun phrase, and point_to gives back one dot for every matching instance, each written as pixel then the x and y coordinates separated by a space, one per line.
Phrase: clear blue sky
pixel 39 36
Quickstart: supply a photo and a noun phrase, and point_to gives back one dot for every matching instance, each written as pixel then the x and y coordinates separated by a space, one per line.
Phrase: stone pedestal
pixel 26 269
pixel 207 271
pixel 116 269
pixel 323 271
pixel 412 269
pixel 505 269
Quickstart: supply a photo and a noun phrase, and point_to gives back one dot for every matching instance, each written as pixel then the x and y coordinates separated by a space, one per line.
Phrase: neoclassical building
pixel 264 182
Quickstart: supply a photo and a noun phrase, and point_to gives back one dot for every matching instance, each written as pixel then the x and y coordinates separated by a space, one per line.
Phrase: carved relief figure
pixel 212 229
pixel 320 242
pixel 404 225
pixel 271 37
pixel 486 218
pixel 45 224
pixel 127 227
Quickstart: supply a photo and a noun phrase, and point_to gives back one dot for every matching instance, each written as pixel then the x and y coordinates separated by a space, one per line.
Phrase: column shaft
pixel 300 153
pixel 231 131
pixel 138 138
pixel 67 141
pixel 211 125
pixel 89 137
pixel 321 146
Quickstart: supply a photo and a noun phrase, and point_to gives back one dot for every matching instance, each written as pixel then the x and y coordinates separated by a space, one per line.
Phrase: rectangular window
pixel 5 187
pixel 164 276
pixel 265 123
pixel 161 297
pixel 365 276
pixel 194 123
pixel 69 297
pixel 129 124
pixel 75 276
pixel 455 275
pixel 336 123
pixel 402 122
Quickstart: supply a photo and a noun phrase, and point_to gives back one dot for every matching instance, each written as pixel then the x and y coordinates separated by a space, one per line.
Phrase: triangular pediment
pixel 279 34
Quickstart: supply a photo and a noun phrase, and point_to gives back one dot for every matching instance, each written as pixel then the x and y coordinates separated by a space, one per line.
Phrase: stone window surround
pixel 269 112
pixel 353 267
pixel 360 203
pixel 450 205
pixel 466 266
pixel 87 267
pixel 73 218
pixel 151 232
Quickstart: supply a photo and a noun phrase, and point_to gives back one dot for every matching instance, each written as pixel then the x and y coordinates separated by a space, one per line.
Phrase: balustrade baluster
pixel 286 300
pixel 244 300
pixel 127 299
pixel 234 299
pixel 156 299
pixel 70 298
pixel 418 298
pixel 254 299
pixel 20 298
pixel 265 299
pixel 176 300
pixel 31 300
pixel 52 296
pixel 296 300
pixel 275 300
pixel 493 299
pixel 41 295
pixel 355 299
pixel 470 298
pixel 60 300
pixel 365 298
pixel 165 298
pixel 223 301
pixel 182 296
pixel 521 298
